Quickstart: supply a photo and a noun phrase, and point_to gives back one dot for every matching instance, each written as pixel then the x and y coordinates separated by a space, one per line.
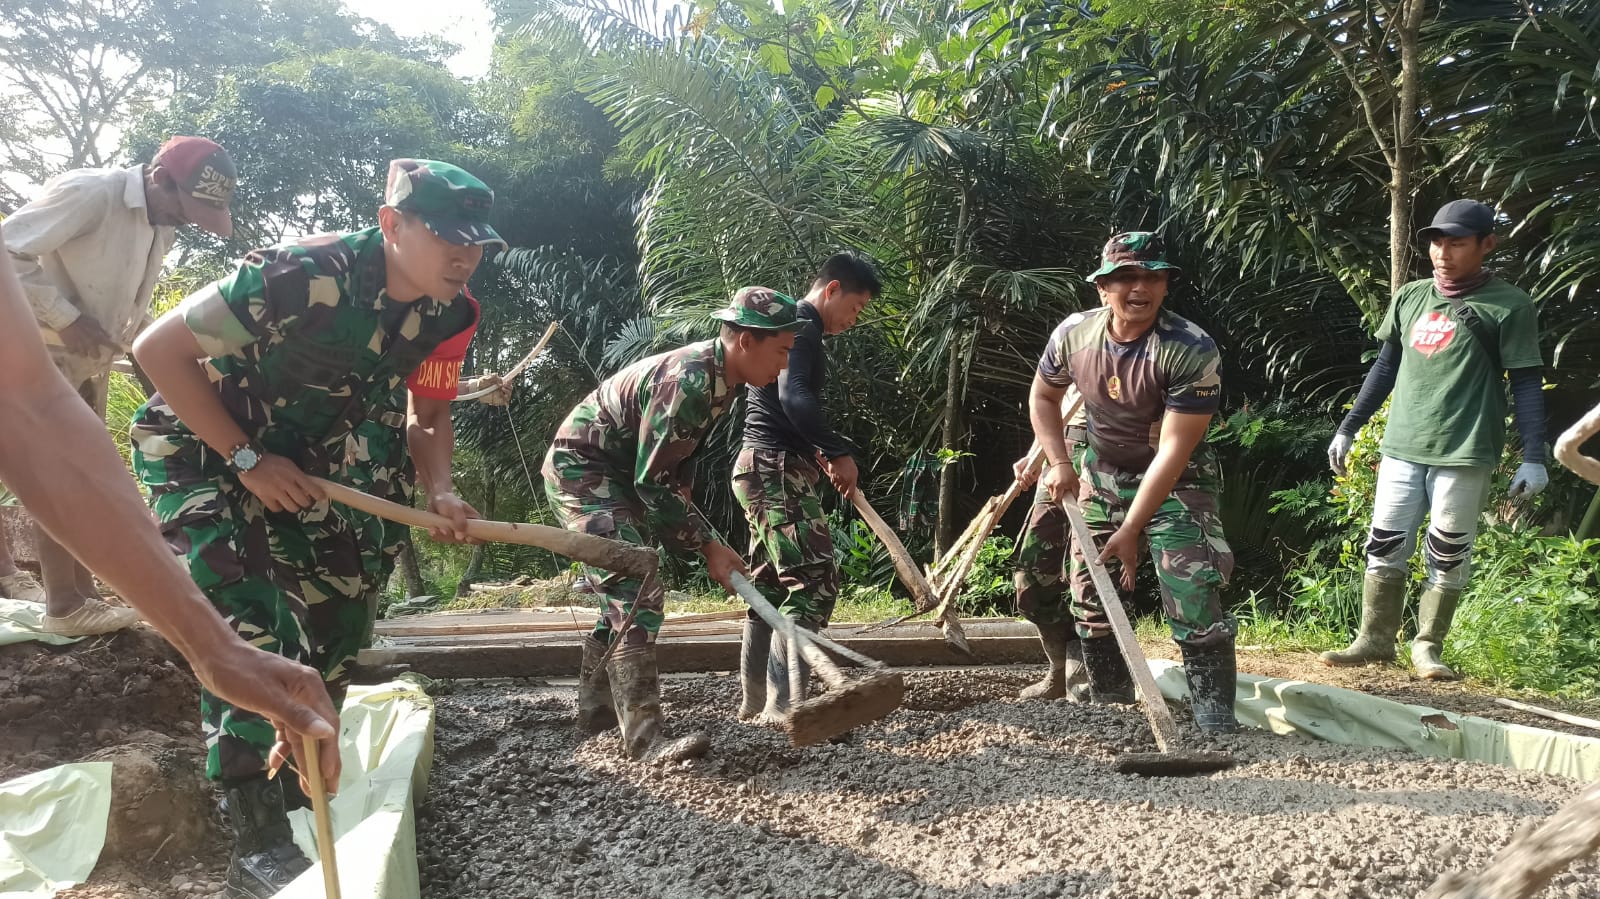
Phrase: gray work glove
pixel 1339 452
pixel 1529 481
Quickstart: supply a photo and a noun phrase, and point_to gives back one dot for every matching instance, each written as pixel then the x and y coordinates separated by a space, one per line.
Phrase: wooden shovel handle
pixel 921 591
pixel 1155 706
pixel 612 555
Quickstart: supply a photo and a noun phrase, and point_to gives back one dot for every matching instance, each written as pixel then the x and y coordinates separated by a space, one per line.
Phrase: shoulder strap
pixel 1474 322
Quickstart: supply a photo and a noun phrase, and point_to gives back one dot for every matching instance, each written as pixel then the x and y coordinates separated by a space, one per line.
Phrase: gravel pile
pixel 964 792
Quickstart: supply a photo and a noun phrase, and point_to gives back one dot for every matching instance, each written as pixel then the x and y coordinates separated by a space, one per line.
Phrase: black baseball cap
pixel 1460 218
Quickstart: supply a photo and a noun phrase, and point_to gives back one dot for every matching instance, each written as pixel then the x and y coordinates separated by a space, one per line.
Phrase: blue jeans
pixel 1452 497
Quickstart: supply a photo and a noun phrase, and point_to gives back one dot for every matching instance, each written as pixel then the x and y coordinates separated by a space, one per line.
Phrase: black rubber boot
pixel 1110 681
pixel 1213 675
pixel 596 712
pixel 265 858
pixel 1383 600
pixel 636 686
pixel 754 649
pixel 1064 653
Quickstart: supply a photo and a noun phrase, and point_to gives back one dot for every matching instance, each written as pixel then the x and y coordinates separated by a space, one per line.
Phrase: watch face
pixel 245 458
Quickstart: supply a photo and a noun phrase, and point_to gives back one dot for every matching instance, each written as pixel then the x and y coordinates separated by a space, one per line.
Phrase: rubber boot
pixel 596 711
pixel 1213 675
pixel 1064 653
pixel 1435 610
pixel 636 689
pixel 799 668
pixel 754 649
pixel 1110 681
pixel 1383 599
pixel 265 858
pixel 777 707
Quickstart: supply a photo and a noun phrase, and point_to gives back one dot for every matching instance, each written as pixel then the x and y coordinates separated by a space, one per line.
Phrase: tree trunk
pixel 1401 201
pixel 944 530
pixel 410 571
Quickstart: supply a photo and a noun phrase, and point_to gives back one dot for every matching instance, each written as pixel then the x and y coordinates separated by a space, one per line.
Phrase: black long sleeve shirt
pixel 788 415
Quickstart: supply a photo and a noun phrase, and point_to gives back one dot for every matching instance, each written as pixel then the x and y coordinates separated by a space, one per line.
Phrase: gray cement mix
pixel 963 792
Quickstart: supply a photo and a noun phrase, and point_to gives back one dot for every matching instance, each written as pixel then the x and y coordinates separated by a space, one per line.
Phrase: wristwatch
pixel 244 457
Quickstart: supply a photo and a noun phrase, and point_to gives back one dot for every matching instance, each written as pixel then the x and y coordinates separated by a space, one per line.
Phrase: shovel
pixel 922 592
pixel 848 704
pixel 1171 759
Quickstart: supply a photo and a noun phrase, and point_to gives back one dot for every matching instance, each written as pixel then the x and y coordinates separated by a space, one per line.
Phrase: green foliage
pixel 989 588
pixel 863 559
pixel 1531 616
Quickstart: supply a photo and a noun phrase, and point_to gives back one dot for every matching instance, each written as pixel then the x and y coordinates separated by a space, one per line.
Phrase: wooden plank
pixel 1552 714
pixel 542 659
pixel 438 626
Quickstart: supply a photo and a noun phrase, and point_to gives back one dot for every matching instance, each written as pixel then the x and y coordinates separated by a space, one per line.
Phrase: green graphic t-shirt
pixel 1449 402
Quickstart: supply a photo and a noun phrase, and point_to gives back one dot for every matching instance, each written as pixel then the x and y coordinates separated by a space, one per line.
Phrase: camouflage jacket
pixel 1128 387
pixel 304 344
pixel 637 432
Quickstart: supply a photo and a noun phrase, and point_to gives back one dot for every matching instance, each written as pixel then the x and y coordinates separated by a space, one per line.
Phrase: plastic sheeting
pixel 386 743
pixel 52 828
pixel 21 621
pixel 1345 716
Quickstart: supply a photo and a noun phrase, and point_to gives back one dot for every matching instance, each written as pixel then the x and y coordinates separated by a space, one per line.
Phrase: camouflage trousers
pixel 376 463
pixel 790 542
pixel 605 506
pixel 293 584
pixel 1193 560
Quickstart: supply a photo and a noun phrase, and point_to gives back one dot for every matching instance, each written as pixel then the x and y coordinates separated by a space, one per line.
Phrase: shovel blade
pixel 1177 763
pixel 842 710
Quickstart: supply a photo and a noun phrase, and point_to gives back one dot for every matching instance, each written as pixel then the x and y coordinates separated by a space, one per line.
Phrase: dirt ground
pixel 965 792
pixel 129 699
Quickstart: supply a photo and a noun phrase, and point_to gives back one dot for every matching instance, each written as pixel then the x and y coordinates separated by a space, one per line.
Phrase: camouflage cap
pixel 1144 249
pixel 450 200
pixel 761 308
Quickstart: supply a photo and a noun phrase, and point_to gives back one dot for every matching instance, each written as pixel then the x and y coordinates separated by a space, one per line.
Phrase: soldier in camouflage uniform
pixel 788 446
pixel 375 460
pixel 1150 386
pixel 620 468
pixel 262 378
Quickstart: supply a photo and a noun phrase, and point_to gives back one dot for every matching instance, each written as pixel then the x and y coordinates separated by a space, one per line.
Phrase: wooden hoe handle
pixel 921 590
pixel 612 555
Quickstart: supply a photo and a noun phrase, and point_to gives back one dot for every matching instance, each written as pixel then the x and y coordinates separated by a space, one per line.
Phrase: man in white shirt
pixel 88 252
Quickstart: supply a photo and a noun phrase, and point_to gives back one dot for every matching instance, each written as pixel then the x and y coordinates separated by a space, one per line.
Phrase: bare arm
pixel 170 356
pixel 1044 411
pixel 1181 432
pixel 55 455
pixel 431 437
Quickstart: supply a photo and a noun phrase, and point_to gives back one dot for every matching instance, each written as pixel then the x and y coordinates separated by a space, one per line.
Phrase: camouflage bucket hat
pixel 761 308
pixel 1144 249
pixel 451 201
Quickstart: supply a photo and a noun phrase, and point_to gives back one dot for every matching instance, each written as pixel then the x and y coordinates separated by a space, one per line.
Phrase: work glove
pixel 1339 452
pixel 1529 481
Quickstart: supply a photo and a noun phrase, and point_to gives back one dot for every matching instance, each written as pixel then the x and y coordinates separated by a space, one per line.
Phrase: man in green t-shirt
pixel 1448 345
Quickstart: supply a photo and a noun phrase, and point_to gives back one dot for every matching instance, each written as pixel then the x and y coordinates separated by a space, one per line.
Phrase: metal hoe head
pixel 842 710
pixel 1178 763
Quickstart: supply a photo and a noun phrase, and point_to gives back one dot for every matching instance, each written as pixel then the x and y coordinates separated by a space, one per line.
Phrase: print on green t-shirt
pixel 1449 401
